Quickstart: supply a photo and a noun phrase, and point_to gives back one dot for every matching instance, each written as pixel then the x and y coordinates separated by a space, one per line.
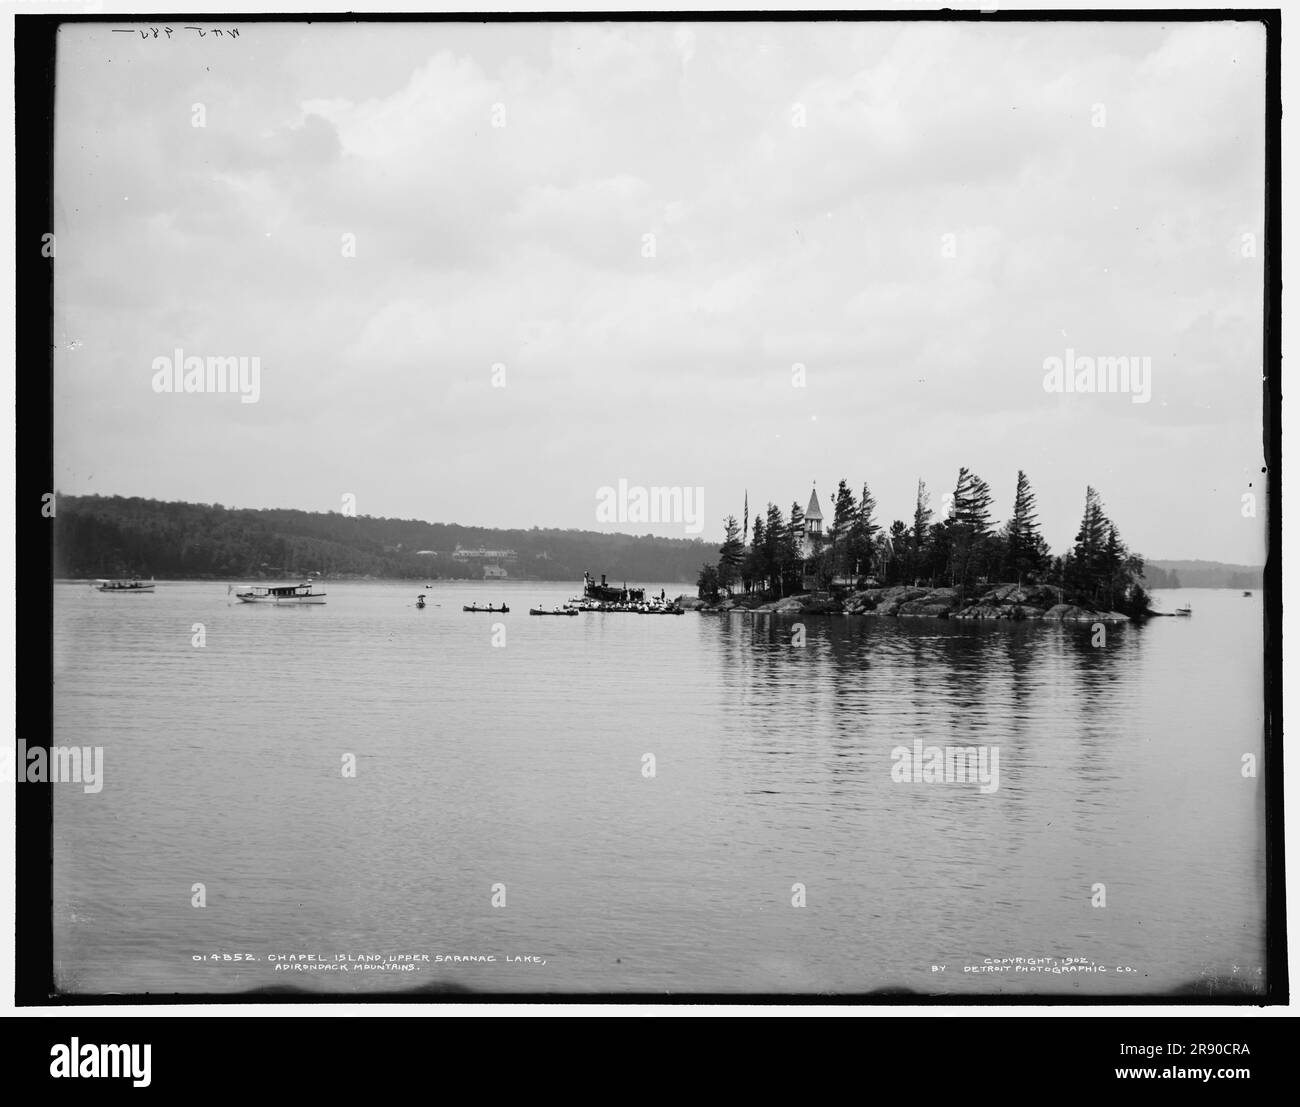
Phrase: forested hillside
pixel 1210 574
pixel 110 536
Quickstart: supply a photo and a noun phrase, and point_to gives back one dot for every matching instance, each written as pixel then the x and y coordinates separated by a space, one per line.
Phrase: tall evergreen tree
pixel 1085 572
pixel 795 526
pixel 794 539
pixel 846 511
pixel 862 542
pixel 730 554
pixel 970 503
pixel 756 566
pixel 792 549
pixel 1025 548
pixel 1113 583
pixel 971 527
pixel 774 546
pixel 896 549
pixel 919 540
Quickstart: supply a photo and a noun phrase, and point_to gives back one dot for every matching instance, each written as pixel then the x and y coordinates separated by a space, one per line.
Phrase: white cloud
pixel 822 244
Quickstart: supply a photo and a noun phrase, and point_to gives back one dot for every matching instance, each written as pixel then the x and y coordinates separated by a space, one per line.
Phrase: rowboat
pixel 128 584
pixel 419 601
pixel 282 595
pixel 1184 610
pixel 553 611
pixel 502 610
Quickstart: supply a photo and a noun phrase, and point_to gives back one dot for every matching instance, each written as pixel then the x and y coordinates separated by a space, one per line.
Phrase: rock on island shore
pixel 1006 601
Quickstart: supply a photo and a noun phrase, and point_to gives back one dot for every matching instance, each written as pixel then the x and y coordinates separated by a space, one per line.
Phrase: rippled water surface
pixel 523 765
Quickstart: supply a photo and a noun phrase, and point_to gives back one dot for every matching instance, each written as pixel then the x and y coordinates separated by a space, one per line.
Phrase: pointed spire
pixel 814 508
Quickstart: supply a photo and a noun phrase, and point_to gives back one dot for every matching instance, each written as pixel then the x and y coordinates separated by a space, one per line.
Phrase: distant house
pixel 481 554
pixel 491 560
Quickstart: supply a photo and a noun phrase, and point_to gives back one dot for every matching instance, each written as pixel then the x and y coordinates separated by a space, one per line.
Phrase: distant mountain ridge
pixel 1203 574
pixel 112 536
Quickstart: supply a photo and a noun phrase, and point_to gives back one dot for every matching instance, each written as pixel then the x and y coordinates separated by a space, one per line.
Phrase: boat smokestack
pixel 602 580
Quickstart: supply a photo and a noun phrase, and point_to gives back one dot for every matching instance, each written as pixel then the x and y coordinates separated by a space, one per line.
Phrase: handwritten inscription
pixel 167 32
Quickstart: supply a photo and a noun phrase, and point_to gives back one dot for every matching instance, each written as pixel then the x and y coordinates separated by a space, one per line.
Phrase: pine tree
pixel 730 554
pixel 1085 572
pixel 846 510
pixel 794 543
pixel 1025 548
pixel 970 527
pixel 789 552
pixel 970 503
pixel 896 549
pixel 919 540
pixel 863 534
pixel 1088 543
pixel 756 567
pixel 1113 558
pixel 774 546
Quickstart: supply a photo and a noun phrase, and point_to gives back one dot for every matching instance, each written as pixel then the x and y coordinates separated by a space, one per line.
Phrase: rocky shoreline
pixel 1006 601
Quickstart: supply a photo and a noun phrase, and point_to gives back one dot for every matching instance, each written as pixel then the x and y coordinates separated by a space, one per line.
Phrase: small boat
pixel 1184 610
pixel 553 611
pixel 502 610
pixel 1245 593
pixel 128 584
pixel 419 601
pixel 282 595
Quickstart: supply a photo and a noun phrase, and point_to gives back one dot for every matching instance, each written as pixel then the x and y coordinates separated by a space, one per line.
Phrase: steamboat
pixel 282 595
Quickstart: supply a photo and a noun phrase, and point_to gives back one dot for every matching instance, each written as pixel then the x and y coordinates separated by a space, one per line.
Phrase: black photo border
pixel 34 77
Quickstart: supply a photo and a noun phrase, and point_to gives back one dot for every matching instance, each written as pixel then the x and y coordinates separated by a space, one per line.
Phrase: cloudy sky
pixel 918 215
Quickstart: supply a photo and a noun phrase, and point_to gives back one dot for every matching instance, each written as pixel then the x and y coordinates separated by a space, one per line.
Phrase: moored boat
pixel 606 597
pixel 125 584
pixel 608 593
pixel 282 595
pixel 1184 610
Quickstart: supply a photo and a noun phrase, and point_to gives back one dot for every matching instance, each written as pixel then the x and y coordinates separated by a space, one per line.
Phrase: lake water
pixel 518 772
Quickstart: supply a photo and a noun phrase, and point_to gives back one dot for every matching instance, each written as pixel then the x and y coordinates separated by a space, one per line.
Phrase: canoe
pixel 502 610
